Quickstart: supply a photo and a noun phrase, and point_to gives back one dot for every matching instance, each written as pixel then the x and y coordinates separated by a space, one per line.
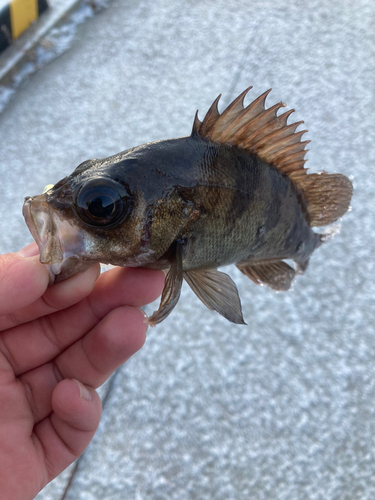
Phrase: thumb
pixel 67 432
pixel 22 281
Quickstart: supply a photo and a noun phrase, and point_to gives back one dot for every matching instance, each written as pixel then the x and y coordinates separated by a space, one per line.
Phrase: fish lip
pixel 61 244
pixel 40 221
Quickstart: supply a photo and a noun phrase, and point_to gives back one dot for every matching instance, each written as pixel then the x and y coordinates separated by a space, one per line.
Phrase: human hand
pixel 57 345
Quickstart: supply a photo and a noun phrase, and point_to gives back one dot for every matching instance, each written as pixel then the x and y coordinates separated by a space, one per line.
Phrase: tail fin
pixel 327 195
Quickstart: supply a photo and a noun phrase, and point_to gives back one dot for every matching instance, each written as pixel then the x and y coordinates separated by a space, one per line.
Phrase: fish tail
pixel 327 196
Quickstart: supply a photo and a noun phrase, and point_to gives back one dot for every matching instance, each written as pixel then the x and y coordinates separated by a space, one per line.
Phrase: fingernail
pixel 84 393
pixel 29 250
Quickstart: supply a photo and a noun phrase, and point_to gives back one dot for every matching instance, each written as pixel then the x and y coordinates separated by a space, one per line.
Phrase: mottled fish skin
pixel 233 192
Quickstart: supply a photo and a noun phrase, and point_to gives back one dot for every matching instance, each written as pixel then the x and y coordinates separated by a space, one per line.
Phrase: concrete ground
pixel 283 408
pixel 22 57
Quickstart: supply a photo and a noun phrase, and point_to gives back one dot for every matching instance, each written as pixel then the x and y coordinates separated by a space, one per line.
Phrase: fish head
pixel 90 216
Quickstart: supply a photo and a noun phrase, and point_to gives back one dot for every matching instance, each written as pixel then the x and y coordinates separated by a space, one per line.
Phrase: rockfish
pixel 235 191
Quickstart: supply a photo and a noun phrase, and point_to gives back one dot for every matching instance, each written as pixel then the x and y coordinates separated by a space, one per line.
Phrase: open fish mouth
pixel 61 245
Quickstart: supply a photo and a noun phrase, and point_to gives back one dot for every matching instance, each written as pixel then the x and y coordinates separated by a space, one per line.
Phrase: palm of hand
pixel 57 345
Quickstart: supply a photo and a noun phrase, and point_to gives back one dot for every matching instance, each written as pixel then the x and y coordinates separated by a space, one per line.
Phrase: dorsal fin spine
pixel 245 112
pixel 272 127
pixel 290 140
pixel 265 115
pixel 196 125
pixel 289 150
pixel 293 167
pixel 210 118
pixel 234 108
pixel 281 132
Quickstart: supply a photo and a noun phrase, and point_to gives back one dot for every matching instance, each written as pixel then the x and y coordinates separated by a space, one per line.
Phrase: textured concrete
pixel 43 41
pixel 285 407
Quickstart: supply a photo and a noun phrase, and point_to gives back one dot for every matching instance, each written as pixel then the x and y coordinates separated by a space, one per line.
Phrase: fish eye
pixel 101 203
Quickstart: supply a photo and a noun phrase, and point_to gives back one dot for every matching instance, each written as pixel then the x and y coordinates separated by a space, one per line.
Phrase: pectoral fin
pixel 277 274
pixel 172 289
pixel 218 292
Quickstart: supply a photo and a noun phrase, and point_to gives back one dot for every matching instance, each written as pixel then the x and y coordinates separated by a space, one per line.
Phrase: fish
pixel 234 191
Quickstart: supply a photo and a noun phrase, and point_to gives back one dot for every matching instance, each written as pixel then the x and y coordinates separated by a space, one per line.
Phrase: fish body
pixel 232 205
pixel 233 192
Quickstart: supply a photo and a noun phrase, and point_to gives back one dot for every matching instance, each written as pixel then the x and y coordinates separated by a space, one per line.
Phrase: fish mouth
pixel 61 245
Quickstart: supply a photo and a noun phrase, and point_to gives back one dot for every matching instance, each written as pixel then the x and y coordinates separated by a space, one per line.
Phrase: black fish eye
pixel 101 202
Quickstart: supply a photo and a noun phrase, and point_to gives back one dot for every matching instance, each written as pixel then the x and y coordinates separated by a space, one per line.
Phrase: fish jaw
pixel 61 245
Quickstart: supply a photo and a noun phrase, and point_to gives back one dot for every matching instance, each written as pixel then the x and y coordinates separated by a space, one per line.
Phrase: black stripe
pixel 42 6
pixel 5 28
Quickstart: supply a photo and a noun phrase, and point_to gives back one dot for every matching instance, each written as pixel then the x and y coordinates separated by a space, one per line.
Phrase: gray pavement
pixel 45 39
pixel 285 407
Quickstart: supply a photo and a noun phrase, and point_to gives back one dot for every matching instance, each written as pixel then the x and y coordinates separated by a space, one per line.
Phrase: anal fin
pixel 275 274
pixel 218 292
pixel 172 289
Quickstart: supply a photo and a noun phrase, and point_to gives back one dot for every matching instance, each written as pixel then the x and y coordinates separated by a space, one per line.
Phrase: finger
pixel 29 250
pixel 30 345
pixel 22 281
pixel 91 359
pixel 96 356
pixel 66 433
pixel 126 286
pixel 57 297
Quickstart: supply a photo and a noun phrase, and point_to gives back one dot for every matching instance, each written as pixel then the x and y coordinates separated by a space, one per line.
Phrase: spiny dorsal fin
pixel 257 129
pixel 262 132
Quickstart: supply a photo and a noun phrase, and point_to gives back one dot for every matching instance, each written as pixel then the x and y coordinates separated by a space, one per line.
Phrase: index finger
pixel 33 344
pixel 40 301
pixel 22 281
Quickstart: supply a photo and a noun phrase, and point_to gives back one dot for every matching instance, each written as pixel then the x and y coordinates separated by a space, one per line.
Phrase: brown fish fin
pixel 258 130
pixel 275 274
pixel 327 195
pixel 172 289
pixel 218 292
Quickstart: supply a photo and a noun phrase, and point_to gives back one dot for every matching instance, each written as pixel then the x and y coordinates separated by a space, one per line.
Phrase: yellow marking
pixel 22 14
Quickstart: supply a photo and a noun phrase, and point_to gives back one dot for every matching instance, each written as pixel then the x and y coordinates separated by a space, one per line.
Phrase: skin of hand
pixel 57 344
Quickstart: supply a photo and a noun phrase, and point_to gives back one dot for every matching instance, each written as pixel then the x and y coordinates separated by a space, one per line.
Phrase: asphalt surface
pixel 283 408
